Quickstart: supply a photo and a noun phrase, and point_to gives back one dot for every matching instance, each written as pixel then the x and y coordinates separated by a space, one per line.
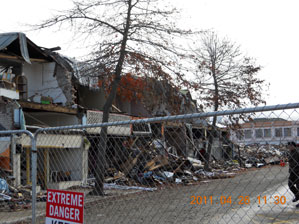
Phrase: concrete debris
pixel 15 199
pixel 259 165
pixel 151 167
pixel 168 175
pixel 205 173
pixel 155 165
pixel 227 165
pixel 248 165
pixel 178 180
pixel 261 155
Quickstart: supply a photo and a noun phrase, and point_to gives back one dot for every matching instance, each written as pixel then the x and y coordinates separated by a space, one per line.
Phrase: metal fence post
pixel 34 167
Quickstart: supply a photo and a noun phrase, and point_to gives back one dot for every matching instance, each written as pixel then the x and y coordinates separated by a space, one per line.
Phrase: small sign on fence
pixel 64 207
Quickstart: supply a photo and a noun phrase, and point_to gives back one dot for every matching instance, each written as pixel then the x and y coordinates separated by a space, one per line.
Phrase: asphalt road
pixel 253 196
pixel 258 196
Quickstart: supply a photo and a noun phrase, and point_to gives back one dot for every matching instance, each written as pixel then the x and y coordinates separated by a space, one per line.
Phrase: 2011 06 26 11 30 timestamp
pixel 240 200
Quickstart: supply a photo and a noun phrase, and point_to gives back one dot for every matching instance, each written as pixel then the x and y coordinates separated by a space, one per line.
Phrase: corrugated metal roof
pixel 7 38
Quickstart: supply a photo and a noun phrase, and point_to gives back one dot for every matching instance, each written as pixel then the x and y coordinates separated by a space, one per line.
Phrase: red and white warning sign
pixel 64 207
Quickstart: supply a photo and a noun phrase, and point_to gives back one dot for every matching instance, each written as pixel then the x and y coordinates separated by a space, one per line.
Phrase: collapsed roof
pixel 17 44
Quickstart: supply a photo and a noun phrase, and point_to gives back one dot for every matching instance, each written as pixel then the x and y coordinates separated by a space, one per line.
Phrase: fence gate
pixel 176 169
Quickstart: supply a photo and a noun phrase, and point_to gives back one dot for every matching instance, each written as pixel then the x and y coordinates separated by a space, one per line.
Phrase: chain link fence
pixel 17 176
pixel 176 169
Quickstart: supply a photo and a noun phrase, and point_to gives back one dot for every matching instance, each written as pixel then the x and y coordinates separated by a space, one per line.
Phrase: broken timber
pixel 47 107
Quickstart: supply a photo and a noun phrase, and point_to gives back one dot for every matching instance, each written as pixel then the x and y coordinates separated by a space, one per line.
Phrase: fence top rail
pixel 176 117
pixel 7 132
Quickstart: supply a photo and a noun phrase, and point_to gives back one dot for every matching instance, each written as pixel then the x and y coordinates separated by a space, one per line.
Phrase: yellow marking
pixel 28 166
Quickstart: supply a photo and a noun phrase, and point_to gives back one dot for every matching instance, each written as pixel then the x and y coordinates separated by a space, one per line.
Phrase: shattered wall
pixel 43 82
pixel 64 80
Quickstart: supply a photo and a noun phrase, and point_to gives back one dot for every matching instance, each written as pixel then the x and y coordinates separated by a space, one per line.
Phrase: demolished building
pixel 36 91
pixel 42 88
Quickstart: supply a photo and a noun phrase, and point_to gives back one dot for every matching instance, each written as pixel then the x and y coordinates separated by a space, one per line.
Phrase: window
pixel 297 131
pixel 248 134
pixel 287 132
pixel 267 133
pixel 278 132
pixel 259 133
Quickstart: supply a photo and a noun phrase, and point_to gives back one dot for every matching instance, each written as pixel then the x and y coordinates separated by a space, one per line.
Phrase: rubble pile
pixel 225 165
pixel 261 155
pixel 149 169
pixel 14 199
pixel 157 166
pixel 170 169
pixel 152 167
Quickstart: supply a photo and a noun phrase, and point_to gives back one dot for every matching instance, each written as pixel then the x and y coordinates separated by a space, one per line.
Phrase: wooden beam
pixel 28 176
pixel 47 107
pixel 171 124
pixel 21 58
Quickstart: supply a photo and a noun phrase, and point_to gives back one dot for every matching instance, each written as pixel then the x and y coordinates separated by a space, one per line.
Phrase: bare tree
pixel 225 78
pixel 125 36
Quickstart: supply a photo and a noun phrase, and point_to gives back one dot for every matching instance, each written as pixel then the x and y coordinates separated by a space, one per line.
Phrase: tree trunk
pixel 101 152
pixel 211 137
pixel 213 132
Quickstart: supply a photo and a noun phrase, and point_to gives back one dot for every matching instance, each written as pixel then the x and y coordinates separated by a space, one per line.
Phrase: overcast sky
pixel 266 30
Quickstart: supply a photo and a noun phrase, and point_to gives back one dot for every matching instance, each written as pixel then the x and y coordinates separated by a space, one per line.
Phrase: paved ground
pixel 174 205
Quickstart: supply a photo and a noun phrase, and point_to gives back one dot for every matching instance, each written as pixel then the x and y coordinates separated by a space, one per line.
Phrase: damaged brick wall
pixel 64 80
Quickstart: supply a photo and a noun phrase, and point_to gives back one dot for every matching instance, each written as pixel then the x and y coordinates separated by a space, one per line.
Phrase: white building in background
pixel 266 131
